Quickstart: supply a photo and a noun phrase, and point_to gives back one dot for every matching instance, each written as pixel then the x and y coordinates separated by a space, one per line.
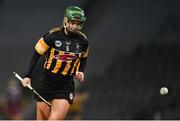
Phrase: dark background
pixel 134 50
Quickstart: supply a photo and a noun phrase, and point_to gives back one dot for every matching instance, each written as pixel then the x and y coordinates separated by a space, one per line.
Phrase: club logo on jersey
pixel 58 43
pixel 71 96
pixel 65 57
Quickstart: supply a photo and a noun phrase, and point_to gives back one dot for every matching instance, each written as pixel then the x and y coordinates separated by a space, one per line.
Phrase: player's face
pixel 74 25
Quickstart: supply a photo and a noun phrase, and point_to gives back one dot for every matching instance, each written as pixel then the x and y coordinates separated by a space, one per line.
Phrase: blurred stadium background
pixel 134 51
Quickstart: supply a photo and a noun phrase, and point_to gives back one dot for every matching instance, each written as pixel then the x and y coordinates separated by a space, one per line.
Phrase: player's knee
pixel 59 109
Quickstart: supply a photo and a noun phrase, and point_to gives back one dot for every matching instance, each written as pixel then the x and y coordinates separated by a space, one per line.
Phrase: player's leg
pixel 59 109
pixel 43 111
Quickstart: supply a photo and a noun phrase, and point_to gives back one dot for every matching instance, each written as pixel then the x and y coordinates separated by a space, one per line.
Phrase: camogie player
pixel 66 50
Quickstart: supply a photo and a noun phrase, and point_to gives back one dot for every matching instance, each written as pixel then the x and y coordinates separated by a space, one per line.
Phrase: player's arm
pixel 83 61
pixel 41 48
pixel 27 80
pixel 35 57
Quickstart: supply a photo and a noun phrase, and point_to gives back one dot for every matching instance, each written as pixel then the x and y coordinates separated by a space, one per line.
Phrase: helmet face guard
pixel 74 13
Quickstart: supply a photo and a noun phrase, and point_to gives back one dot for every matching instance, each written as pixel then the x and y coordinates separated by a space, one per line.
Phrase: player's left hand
pixel 80 76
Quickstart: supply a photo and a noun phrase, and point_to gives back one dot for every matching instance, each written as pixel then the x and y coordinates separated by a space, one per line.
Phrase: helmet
pixel 74 13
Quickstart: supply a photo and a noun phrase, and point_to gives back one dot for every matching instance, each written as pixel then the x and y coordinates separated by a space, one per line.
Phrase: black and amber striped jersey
pixel 65 54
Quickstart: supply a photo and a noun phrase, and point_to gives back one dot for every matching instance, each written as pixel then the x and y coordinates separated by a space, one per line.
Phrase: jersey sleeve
pixel 84 57
pixel 41 48
pixel 85 52
pixel 32 64
pixel 43 44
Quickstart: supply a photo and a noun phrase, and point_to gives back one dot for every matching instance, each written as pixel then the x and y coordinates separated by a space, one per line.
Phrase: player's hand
pixel 80 76
pixel 26 81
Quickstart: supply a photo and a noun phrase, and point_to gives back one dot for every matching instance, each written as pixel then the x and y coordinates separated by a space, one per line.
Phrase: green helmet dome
pixel 75 13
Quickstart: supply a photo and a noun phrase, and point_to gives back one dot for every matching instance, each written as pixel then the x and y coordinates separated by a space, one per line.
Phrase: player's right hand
pixel 26 81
